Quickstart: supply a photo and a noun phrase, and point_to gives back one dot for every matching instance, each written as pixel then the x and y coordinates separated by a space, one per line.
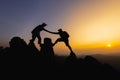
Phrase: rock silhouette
pixel 26 57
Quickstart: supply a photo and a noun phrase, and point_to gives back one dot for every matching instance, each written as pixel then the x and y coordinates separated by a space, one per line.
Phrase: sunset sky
pixel 93 25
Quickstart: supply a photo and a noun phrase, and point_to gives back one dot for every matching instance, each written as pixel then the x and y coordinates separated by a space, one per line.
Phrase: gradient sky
pixel 92 24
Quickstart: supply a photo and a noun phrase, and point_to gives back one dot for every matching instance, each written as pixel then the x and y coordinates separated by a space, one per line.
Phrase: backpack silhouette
pixel 66 35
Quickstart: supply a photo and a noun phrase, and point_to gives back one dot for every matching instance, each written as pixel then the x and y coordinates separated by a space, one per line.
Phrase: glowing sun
pixel 108 45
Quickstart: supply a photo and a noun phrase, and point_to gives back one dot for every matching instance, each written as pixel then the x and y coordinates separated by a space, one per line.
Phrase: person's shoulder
pixel 65 32
pixel 37 27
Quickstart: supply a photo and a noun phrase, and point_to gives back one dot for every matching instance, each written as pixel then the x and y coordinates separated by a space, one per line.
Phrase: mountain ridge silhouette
pixel 21 57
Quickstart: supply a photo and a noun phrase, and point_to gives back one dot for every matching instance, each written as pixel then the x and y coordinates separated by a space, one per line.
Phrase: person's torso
pixel 37 29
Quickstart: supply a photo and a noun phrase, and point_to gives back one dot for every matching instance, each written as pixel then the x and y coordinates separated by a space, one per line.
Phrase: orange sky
pixel 94 25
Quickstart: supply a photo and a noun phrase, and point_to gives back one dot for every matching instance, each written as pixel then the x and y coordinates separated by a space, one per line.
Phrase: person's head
pixel 44 24
pixel 47 41
pixel 60 30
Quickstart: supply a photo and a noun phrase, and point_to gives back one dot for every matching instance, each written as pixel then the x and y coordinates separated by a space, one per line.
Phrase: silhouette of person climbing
pixel 63 37
pixel 36 32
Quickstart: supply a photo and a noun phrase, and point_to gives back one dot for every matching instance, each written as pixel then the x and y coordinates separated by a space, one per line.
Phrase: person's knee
pixel 66 44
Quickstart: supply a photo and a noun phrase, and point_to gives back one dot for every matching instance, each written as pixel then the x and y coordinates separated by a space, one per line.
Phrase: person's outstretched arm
pixel 51 32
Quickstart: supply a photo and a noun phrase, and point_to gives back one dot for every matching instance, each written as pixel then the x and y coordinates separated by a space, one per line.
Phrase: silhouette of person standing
pixel 63 37
pixel 36 32
pixel 47 52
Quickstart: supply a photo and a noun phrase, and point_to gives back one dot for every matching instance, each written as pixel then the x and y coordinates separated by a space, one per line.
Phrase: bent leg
pixel 58 40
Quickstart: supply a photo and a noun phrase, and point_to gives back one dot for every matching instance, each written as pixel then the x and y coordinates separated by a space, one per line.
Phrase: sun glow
pixel 109 45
